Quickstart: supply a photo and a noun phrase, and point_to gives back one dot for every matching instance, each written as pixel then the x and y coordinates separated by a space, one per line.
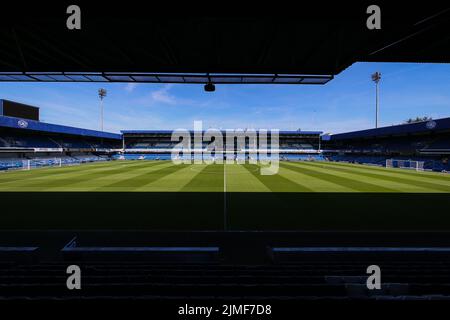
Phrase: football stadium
pixel 164 176
pixel 349 208
pixel 49 158
pixel 74 159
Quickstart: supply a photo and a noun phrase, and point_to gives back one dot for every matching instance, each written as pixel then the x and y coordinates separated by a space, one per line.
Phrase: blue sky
pixel 344 104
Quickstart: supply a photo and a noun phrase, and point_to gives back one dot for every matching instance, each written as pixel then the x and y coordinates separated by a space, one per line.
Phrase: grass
pixel 159 195
pixel 164 176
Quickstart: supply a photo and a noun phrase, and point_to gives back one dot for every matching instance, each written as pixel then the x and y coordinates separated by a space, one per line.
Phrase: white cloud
pixel 130 87
pixel 157 97
pixel 162 95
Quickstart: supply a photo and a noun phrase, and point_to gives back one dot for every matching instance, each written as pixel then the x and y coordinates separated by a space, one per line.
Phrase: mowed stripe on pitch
pixel 174 181
pixel 38 173
pixel 164 176
pixel 63 182
pixel 316 185
pixel 350 181
pixel 136 181
pixel 395 171
pixel 38 178
pixel 433 177
pixel 95 180
pixel 208 179
pixel 276 182
pixel 411 183
pixel 239 179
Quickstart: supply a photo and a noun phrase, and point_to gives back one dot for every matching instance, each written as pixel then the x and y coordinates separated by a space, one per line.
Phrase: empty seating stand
pixel 406 272
pixel 168 271
pixel 128 279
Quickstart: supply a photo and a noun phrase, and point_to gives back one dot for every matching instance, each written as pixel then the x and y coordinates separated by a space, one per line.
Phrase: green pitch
pixel 158 195
pixel 164 176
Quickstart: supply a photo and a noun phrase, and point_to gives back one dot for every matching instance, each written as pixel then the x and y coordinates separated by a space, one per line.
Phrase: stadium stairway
pixel 294 265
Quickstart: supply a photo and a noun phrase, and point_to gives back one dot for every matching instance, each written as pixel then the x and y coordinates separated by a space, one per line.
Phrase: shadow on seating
pixel 73 251
pixel 19 254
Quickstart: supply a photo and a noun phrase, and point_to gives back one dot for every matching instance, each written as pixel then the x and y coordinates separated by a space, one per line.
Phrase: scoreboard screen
pixel 18 110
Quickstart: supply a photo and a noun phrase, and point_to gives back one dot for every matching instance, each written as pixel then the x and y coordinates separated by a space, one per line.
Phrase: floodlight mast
pixel 376 77
pixel 101 94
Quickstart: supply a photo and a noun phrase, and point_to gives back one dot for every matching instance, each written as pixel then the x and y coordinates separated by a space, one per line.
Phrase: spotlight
pixel 210 87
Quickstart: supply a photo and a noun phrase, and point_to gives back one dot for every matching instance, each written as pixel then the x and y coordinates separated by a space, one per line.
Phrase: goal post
pixel 40 163
pixel 26 164
pixel 389 163
pixel 405 164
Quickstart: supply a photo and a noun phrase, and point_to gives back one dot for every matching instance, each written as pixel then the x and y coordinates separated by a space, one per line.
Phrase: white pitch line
pixel 225 196
pixel 224 178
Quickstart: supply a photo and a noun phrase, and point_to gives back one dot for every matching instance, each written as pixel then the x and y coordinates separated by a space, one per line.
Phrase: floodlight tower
pixel 376 77
pixel 101 94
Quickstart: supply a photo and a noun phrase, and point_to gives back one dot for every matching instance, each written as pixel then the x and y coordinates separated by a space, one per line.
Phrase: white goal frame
pixel 29 164
pixel 405 164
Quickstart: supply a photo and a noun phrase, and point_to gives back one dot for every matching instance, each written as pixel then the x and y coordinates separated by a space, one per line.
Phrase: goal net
pixel 405 164
pixel 39 163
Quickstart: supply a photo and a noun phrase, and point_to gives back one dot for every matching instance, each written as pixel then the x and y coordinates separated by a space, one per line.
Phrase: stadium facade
pixel 231 143
pixel 25 142
pixel 39 144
